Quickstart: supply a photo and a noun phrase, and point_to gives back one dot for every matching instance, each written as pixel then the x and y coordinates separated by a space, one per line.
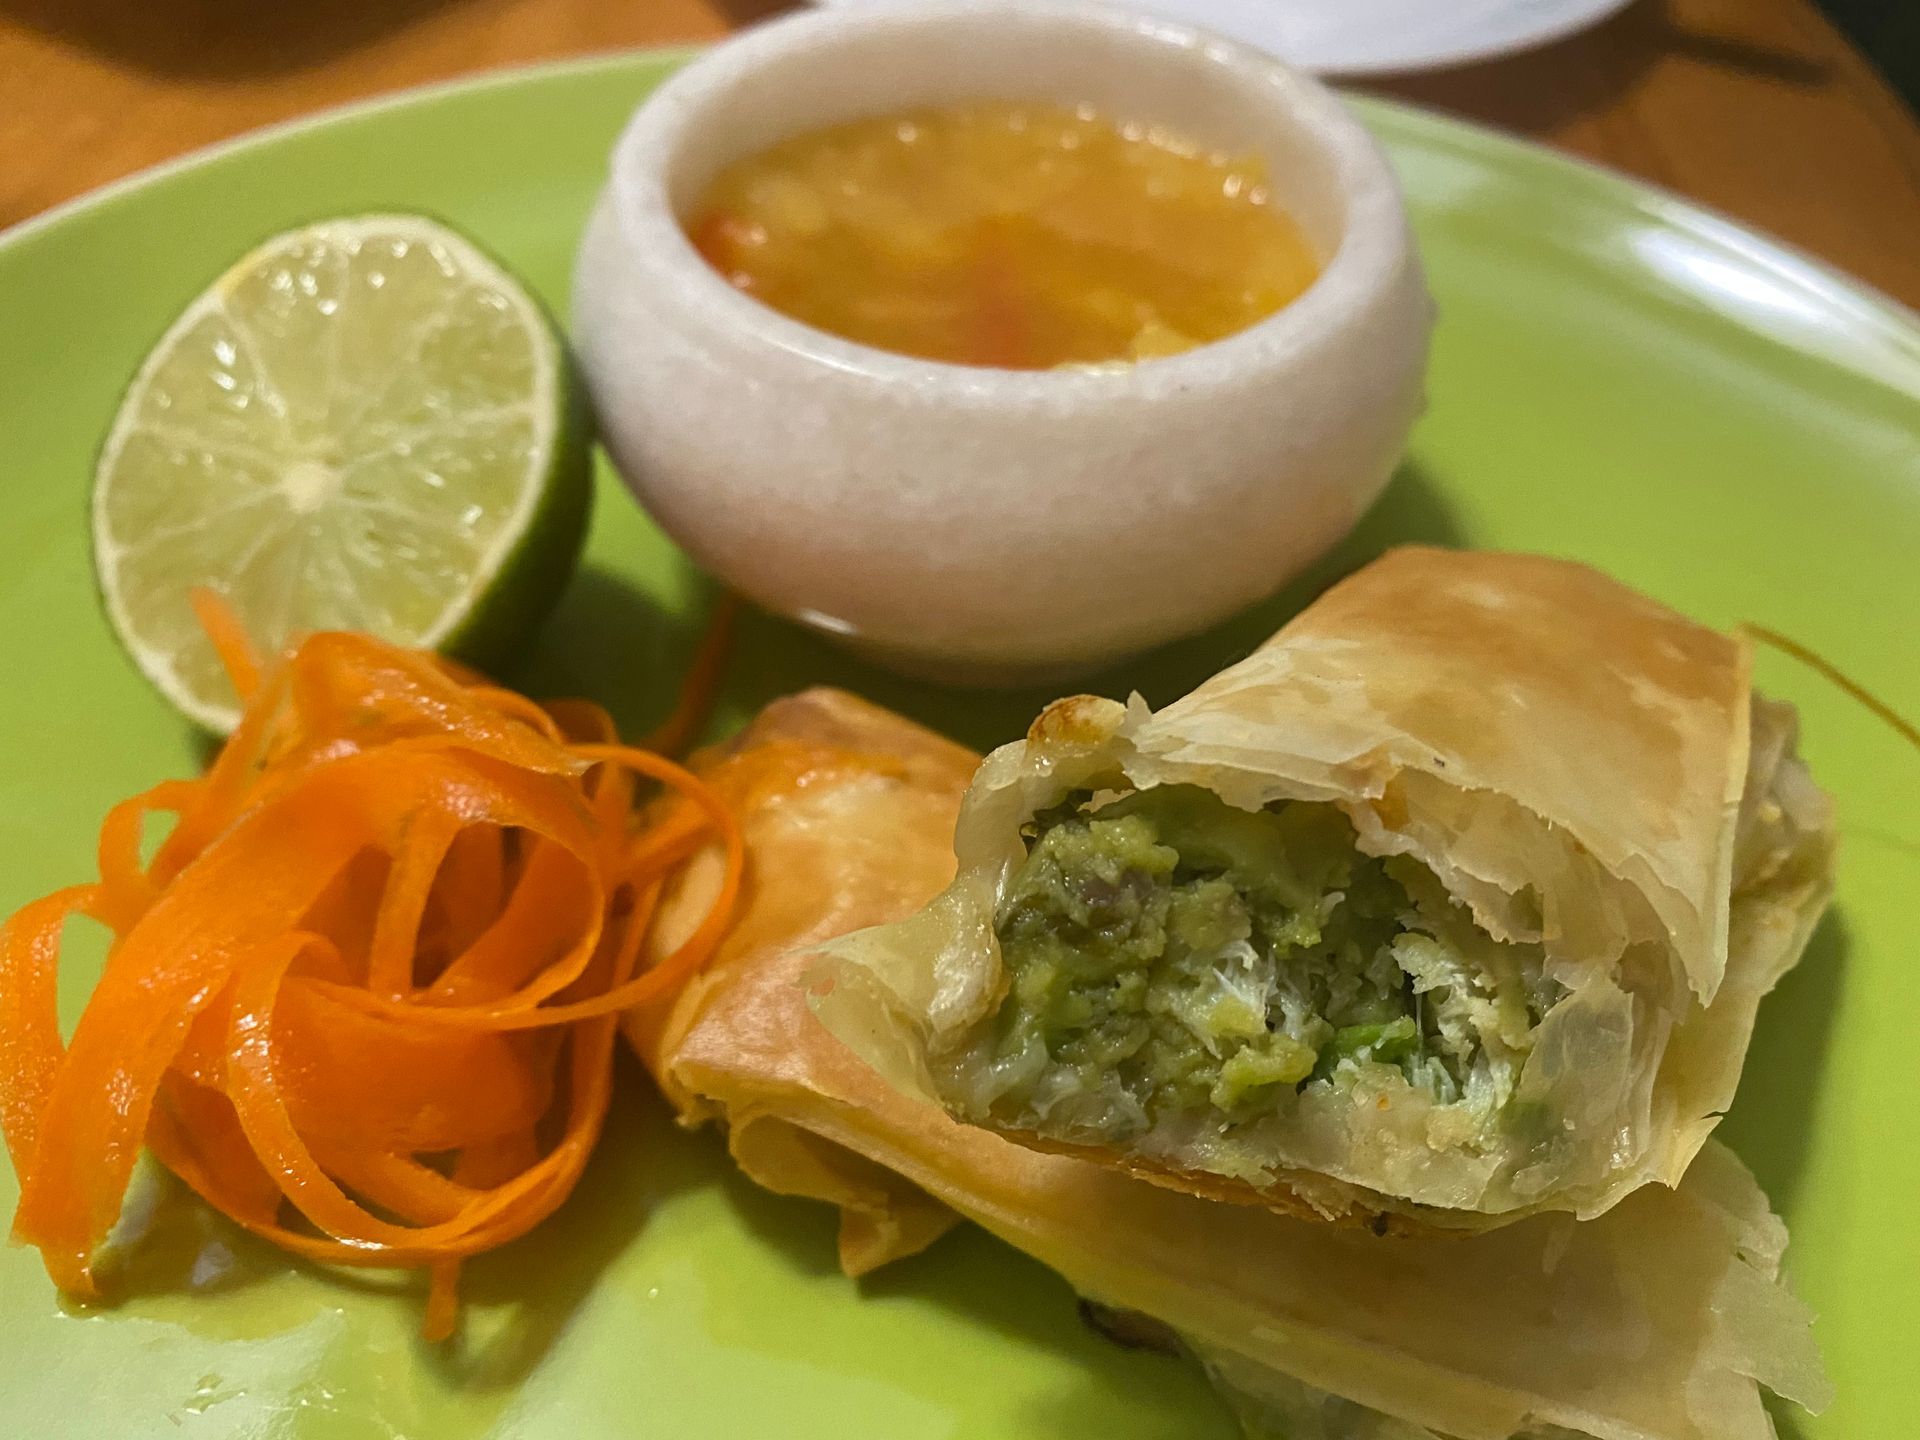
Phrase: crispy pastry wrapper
pixel 1661 1320
pixel 1580 766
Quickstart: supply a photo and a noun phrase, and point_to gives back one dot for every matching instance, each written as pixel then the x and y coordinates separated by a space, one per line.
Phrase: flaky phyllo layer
pixel 1455 900
pixel 1660 1320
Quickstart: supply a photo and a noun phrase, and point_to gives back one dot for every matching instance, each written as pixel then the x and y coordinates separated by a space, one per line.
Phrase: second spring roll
pixel 1453 902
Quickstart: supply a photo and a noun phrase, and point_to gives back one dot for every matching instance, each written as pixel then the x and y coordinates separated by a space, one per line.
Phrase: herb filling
pixel 1169 955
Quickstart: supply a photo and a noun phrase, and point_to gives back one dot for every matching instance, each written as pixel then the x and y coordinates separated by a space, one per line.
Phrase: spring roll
pixel 848 814
pixel 1452 903
pixel 1660 1321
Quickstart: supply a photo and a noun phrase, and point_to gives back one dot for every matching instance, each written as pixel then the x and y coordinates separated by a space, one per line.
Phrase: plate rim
pixel 1896 324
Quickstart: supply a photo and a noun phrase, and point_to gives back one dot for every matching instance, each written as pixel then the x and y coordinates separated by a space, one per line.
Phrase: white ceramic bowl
pixel 997 525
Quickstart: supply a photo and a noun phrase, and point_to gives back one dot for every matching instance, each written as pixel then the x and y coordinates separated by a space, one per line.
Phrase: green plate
pixel 1617 376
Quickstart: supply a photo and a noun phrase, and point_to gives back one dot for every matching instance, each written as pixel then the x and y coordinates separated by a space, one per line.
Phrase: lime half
pixel 365 424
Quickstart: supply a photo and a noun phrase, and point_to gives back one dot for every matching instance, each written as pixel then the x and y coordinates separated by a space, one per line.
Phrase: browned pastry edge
pixel 1277 1198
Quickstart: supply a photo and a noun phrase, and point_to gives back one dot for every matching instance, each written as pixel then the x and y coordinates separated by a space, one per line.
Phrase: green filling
pixel 1170 954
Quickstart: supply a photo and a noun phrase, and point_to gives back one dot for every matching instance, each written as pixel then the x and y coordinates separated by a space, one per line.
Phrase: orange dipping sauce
pixel 1018 236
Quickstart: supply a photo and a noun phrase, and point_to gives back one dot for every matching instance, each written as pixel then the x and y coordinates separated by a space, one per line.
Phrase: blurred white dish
pixel 1377 37
pixel 990 525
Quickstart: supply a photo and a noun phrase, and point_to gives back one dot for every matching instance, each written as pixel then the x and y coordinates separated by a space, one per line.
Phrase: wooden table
pixel 1756 107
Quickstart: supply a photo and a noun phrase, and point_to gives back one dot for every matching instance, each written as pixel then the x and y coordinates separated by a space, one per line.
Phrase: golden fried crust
pixel 1333 1202
pixel 1076 720
pixel 1541 679
pixel 840 720
pixel 848 812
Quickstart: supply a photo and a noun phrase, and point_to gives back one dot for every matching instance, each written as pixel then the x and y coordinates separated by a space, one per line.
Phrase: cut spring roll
pixel 1660 1321
pixel 1452 903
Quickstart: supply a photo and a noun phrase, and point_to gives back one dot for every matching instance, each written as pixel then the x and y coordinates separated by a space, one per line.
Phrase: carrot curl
pixel 363 997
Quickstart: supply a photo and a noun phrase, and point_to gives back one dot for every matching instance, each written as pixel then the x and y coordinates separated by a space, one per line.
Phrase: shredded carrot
pixel 681 728
pixel 363 996
pixel 229 639
pixel 1824 667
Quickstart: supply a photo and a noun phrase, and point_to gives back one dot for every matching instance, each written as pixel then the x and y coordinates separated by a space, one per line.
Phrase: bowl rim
pixel 1374 249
